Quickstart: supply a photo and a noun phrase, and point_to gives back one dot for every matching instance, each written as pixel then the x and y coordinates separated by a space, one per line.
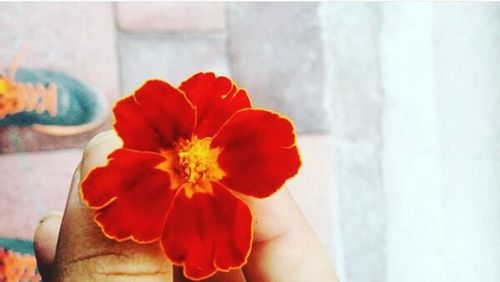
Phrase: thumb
pixel 45 242
pixel 84 253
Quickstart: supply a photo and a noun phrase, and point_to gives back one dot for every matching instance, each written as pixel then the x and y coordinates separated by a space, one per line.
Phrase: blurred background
pixel 397 107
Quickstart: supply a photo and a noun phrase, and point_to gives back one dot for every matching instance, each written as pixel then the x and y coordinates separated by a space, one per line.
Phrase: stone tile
pixel 276 53
pixel 172 58
pixel 76 38
pixel 312 187
pixel 31 185
pixel 171 16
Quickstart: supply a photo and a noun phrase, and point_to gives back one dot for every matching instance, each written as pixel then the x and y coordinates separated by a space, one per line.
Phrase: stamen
pixel 199 160
pixel 192 164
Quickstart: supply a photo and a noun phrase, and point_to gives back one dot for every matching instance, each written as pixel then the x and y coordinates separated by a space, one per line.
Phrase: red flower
pixel 186 151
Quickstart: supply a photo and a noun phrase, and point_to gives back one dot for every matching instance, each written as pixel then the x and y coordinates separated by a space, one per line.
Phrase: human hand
pixel 284 249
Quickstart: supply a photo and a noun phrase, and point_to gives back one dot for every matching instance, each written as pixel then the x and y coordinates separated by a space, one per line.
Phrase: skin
pixel 71 247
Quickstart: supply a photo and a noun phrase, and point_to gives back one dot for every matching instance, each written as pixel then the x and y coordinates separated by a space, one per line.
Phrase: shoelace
pixel 18 97
pixel 17 267
pixel 25 97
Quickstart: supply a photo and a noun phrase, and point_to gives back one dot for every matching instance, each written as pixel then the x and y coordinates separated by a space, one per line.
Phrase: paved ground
pixel 114 47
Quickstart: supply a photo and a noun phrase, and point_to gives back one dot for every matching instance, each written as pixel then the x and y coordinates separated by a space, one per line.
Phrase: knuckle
pixel 115 267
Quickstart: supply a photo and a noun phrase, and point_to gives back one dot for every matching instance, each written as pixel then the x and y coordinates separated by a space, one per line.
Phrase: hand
pixel 284 249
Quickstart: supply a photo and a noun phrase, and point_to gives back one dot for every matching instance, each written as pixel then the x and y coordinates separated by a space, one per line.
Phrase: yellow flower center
pixel 192 164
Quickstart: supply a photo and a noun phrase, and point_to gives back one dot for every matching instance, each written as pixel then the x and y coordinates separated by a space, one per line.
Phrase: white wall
pixel 411 154
pixel 415 98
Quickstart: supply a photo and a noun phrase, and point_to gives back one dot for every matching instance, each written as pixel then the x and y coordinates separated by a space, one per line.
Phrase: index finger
pixel 285 248
pixel 84 253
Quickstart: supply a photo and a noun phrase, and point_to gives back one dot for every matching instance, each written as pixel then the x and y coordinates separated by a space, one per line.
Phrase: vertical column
pixel 411 154
pixel 355 97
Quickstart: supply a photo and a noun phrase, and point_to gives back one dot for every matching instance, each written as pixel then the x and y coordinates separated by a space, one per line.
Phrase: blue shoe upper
pixel 76 103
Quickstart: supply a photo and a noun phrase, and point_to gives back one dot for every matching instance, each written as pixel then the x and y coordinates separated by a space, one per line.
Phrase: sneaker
pixel 50 102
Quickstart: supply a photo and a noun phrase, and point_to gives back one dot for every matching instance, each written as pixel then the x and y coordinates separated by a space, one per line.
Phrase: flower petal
pixel 258 152
pixel 216 99
pixel 207 232
pixel 154 117
pixel 130 195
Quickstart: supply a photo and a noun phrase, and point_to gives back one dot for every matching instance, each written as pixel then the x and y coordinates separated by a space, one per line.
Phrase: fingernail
pixel 97 151
pixel 107 139
pixel 49 215
pixel 97 140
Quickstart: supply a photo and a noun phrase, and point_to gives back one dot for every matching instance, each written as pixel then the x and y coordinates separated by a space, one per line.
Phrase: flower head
pixel 187 152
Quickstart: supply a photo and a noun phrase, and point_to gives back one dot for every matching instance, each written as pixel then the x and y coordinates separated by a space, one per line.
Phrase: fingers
pixel 84 253
pixel 45 242
pixel 285 248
